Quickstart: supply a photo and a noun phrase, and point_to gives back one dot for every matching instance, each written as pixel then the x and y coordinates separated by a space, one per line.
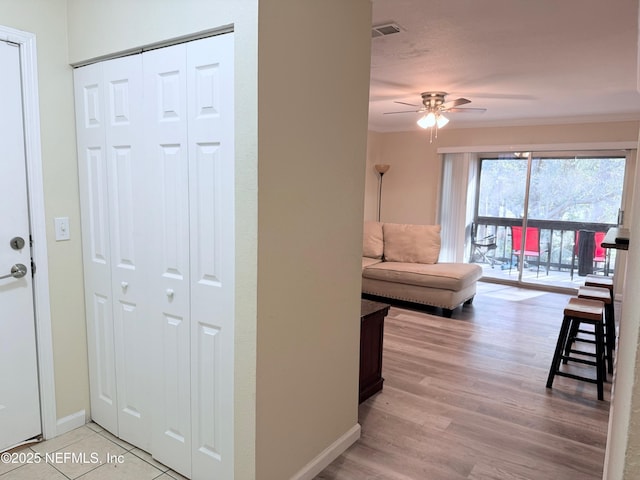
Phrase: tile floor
pixel 86 453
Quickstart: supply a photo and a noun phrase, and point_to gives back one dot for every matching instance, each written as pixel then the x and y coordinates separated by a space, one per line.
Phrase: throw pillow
pixel 372 245
pixel 411 243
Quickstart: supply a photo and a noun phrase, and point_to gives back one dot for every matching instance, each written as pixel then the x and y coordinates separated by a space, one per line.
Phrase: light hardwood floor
pixel 465 398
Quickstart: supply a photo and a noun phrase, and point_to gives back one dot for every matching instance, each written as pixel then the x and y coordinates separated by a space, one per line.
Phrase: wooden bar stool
pixel 604 295
pixel 581 310
pixel 592 280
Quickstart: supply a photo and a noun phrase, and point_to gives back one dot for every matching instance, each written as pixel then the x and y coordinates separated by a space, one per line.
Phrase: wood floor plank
pixel 466 398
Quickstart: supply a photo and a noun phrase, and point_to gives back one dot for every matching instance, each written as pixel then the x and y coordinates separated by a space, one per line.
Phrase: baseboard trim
pixel 71 422
pixel 329 454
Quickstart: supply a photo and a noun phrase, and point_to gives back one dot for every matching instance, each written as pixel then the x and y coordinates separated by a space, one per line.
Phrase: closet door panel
pixel 211 189
pixel 165 106
pixel 172 215
pixel 94 209
pixel 128 209
pixel 171 440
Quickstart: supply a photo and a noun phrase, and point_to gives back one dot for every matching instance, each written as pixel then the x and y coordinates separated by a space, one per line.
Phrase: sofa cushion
pixel 372 245
pixel 446 276
pixel 368 261
pixel 411 243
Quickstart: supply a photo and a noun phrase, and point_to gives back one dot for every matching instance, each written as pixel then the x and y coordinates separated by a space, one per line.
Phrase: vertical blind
pixel 459 183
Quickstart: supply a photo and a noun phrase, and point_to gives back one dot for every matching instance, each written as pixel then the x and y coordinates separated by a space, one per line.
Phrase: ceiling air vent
pixel 385 29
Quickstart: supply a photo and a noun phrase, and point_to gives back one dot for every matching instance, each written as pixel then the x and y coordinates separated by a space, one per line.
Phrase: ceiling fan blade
pixel 404 111
pixel 405 103
pixel 455 103
pixel 462 110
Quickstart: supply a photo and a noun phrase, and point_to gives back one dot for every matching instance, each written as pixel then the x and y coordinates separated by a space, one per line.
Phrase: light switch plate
pixel 62 228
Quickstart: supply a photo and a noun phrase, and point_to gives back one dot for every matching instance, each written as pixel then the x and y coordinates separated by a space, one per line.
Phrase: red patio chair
pixel 600 254
pixel 531 245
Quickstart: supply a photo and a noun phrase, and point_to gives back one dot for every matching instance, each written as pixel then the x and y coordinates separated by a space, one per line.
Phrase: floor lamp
pixel 381 169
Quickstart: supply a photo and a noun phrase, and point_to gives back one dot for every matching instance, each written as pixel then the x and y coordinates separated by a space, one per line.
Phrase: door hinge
pixel 33 268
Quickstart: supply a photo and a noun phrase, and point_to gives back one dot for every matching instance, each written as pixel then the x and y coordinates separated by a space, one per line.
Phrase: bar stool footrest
pixel 581 360
pixel 577 377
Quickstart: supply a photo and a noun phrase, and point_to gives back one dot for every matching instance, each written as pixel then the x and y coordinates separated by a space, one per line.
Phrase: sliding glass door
pixel 541 216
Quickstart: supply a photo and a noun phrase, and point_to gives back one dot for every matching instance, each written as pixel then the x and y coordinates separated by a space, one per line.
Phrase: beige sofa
pixel 400 261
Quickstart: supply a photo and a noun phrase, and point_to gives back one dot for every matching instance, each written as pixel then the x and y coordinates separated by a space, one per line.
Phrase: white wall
pixel 410 189
pixel 371 176
pixel 622 458
pixel 313 101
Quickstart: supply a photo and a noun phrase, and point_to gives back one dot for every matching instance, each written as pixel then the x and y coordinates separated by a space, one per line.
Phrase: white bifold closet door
pixel 190 133
pixel 111 168
pixel 156 162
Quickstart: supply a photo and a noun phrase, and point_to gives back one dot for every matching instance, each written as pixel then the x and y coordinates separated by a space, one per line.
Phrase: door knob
pixel 170 292
pixel 17 271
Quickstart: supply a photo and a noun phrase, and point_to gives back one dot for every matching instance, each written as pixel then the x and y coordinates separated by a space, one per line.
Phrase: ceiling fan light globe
pixel 429 120
pixel 442 121
pixel 422 122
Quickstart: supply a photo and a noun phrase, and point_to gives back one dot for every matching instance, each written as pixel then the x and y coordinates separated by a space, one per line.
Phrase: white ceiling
pixel 525 61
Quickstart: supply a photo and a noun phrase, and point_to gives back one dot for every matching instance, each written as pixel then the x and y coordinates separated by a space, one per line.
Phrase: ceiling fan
pixel 433 107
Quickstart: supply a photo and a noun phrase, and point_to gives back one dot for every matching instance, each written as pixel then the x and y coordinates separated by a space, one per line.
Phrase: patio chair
pixel 483 248
pixel 600 255
pixel 531 246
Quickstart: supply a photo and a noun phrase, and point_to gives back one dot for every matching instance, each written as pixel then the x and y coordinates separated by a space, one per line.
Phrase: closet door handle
pixel 170 292
pixel 124 285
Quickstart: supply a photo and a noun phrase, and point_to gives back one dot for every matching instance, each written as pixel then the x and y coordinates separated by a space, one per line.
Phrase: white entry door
pixel 19 395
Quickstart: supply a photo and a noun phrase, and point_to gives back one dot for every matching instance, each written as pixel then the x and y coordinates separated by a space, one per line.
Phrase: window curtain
pixel 459 183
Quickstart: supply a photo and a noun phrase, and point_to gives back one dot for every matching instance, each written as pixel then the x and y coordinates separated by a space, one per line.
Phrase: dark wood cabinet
pixel 371 336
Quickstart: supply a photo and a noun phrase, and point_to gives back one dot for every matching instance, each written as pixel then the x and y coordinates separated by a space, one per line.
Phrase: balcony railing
pixel 558 247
